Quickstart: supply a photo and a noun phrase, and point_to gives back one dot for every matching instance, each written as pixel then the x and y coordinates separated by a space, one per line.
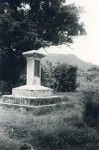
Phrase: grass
pixel 61 130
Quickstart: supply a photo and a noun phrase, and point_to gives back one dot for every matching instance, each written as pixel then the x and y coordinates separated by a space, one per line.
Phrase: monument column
pixel 30 71
pixel 33 67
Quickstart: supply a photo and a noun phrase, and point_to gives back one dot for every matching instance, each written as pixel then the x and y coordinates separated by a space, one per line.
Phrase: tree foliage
pixel 31 24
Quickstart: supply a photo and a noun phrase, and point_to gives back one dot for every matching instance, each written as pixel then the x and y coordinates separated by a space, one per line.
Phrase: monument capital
pixel 34 54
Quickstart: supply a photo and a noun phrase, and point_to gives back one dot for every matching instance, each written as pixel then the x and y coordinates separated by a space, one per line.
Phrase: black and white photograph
pixel 49 75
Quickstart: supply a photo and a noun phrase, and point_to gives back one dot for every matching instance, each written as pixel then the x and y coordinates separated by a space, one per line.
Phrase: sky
pixel 85 47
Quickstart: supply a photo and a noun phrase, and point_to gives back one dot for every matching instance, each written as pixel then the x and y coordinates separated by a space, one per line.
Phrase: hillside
pixel 68 59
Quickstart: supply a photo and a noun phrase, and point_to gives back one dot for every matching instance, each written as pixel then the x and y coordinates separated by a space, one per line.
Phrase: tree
pixel 31 24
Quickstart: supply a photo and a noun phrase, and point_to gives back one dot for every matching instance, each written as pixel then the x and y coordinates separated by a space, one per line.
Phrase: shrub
pixel 91 106
pixel 5 87
pixel 62 77
pixel 46 74
pixel 65 78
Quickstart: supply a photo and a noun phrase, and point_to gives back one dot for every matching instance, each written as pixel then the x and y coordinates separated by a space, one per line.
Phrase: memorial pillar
pixel 33 67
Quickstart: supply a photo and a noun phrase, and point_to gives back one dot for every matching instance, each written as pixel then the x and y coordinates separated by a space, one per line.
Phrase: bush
pixel 91 106
pixel 62 77
pixel 5 87
pixel 65 78
pixel 47 74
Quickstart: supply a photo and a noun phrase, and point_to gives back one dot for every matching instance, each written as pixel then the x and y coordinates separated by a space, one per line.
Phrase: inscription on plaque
pixel 37 68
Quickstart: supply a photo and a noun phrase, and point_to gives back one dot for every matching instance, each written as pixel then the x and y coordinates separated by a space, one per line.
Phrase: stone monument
pixel 32 96
pixel 33 83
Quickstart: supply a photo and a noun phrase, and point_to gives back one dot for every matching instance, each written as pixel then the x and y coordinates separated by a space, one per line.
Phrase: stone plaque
pixel 37 68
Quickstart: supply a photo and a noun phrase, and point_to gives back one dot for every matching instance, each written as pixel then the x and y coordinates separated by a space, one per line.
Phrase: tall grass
pixel 61 130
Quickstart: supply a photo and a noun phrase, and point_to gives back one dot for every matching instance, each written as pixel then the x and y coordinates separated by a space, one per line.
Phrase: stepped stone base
pixel 34 105
pixel 33 99
pixel 37 110
pixel 23 100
